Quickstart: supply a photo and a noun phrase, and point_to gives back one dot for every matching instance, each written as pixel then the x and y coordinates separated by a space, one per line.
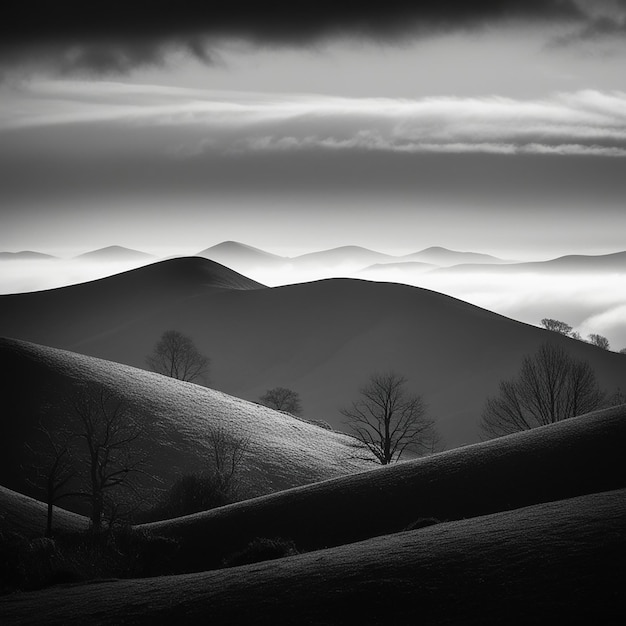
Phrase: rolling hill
pixel 283 451
pixel 533 467
pixel 27 516
pixel 543 564
pixel 528 533
pixel 322 339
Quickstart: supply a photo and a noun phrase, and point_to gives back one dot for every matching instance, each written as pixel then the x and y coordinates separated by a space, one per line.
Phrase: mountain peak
pixel 114 253
pixel 234 252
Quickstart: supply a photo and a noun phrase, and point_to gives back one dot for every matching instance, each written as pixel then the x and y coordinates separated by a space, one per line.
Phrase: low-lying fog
pixel 591 303
pixel 19 276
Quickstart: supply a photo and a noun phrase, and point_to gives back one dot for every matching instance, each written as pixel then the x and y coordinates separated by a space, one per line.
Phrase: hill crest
pixel 283 451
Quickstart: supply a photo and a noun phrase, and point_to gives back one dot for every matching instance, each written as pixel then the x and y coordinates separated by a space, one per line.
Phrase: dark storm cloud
pixel 598 28
pixel 115 36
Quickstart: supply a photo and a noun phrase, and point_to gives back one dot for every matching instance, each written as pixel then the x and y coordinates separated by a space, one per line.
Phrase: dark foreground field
pixel 529 528
pixel 560 562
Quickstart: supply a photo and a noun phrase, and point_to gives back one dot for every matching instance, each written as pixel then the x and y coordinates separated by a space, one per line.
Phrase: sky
pixel 491 126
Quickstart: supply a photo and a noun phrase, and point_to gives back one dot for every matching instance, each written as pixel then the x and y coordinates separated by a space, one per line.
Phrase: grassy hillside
pixel 559 562
pixel 578 456
pixel 322 339
pixel 283 451
pixel 27 516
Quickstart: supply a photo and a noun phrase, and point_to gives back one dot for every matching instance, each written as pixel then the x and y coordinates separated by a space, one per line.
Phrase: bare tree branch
pixel 551 386
pixel 388 421
pixel 175 355
pixel 282 399
pixel 106 432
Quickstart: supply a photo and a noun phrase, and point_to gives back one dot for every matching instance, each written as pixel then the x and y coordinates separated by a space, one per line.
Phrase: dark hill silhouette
pixel 27 516
pixel 109 304
pixel 558 562
pixel 323 339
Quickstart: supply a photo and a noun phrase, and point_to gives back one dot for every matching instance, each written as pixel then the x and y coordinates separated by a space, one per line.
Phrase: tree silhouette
pixel 105 433
pixel 551 386
pixel 599 340
pixel 282 399
pixel 388 420
pixel 175 355
pixel 218 486
pixel 556 326
pixel 53 466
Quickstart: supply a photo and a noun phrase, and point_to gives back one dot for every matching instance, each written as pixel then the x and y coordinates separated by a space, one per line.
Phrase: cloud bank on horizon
pixel 185 123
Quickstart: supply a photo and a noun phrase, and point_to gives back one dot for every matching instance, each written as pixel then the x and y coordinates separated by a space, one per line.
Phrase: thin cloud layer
pixel 115 37
pixel 186 123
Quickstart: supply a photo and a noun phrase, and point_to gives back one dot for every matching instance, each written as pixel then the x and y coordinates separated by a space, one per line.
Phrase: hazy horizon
pixel 492 127
pixel 590 301
pixel 497 128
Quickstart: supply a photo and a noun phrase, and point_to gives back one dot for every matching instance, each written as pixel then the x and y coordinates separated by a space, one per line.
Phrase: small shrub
pixel 193 493
pixel 262 549
pixel 75 557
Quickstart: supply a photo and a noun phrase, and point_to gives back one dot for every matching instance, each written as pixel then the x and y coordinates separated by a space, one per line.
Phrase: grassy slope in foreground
pixel 283 451
pixel 560 562
pixel 574 457
pixel 26 516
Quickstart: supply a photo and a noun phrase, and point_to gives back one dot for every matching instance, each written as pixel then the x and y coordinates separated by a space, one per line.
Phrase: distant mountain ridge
pixel 342 255
pixel 25 255
pixel 614 262
pixel 115 253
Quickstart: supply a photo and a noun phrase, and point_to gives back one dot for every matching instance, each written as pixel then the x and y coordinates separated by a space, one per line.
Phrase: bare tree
pixel 106 434
pixel 217 486
pixel 175 355
pixel 229 451
pixel 551 386
pixel 388 420
pixel 598 340
pixel 282 399
pixel 556 326
pixel 53 467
